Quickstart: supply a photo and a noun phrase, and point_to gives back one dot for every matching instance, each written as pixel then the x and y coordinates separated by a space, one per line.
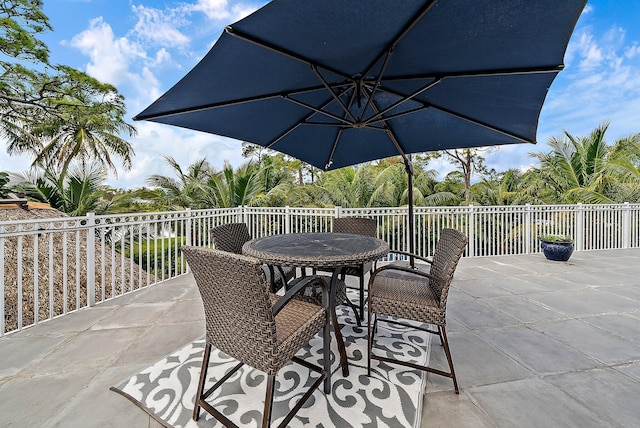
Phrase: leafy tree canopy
pixel 54 112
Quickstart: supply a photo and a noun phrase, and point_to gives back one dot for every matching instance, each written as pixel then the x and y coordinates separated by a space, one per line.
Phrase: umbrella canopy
pixel 340 82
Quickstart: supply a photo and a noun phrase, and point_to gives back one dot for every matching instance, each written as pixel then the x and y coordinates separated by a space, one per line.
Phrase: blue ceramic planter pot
pixel 558 251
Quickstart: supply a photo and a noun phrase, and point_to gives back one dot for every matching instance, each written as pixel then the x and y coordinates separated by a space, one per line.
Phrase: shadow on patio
pixel 535 343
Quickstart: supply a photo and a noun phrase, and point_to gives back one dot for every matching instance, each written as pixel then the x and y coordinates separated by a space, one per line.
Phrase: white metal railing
pixel 50 267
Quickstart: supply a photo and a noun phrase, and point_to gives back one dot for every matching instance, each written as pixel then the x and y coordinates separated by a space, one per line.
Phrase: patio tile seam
pixel 510 357
pixel 588 405
pixel 24 371
pixel 602 423
pixel 473 402
pixel 578 315
pixel 613 333
pixel 54 420
pixel 593 357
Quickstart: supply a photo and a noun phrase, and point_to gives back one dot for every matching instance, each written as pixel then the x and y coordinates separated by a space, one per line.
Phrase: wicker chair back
pixel 230 237
pixel 237 304
pixel 446 256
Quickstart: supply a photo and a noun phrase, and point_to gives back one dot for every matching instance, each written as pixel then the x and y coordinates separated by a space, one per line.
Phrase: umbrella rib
pixel 481 123
pixel 394 116
pixel 334 146
pixel 408 26
pixel 306 118
pixel 404 99
pixel 390 133
pixel 337 139
pixel 333 94
pixel 479 73
pixel 333 150
pixel 233 102
pixel 278 49
pixel 317 110
pixel 464 117
pixel 375 87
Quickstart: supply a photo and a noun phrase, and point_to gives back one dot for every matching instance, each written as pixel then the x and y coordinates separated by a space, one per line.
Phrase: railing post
pixel 338 211
pixel 243 215
pixel 527 229
pixel 188 228
pixel 626 226
pixel 287 220
pixel 91 259
pixel 472 232
pixel 579 232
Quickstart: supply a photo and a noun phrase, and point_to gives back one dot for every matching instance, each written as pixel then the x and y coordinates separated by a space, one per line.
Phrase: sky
pixel 143 47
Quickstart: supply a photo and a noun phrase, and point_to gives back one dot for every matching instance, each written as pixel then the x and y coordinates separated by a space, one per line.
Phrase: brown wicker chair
pixel 357 226
pixel 247 322
pixel 419 294
pixel 231 237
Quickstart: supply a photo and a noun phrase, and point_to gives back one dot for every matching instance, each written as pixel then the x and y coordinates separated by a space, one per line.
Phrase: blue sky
pixel 143 47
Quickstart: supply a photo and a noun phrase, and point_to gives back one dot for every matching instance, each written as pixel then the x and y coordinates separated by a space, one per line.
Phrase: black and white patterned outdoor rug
pixel 391 397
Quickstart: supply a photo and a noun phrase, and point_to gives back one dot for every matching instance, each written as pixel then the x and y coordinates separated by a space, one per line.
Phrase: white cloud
pixel 604 84
pixel 220 10
pixel 185 146
pixel 159 28
pixel 162 56
pixel 241 10
pixel 109 56
pixel 590 53
pixel 214 9
pixel 632 51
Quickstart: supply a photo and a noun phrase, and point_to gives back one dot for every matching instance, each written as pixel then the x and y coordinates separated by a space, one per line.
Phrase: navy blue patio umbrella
pixel 341 82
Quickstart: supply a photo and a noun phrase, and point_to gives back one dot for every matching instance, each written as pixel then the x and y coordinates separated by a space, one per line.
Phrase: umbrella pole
pixel 412 245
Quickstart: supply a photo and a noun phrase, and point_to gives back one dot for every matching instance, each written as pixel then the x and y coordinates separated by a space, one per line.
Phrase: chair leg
pixel 203 377
pixel 440 335
pixel 370 333
pixel 326 353
pixel 268 401
pixel 447 351
pixel 371 329
pixel 362 295
pixel 341 348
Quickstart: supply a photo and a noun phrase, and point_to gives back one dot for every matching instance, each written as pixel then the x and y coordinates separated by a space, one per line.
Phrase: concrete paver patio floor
pixel 535 343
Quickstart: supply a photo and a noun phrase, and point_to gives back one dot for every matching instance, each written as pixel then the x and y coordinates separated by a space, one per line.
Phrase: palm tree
pixel 511 187
pixel 86 132
pixel 625 161
pixel 578 169
pixel 76 194
pixel 229 188
pixel 392 186
pixel 349 187
pixel 276 180
pixel 189 190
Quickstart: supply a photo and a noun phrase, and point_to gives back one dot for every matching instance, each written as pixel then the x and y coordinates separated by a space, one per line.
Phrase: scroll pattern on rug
pixel 391 397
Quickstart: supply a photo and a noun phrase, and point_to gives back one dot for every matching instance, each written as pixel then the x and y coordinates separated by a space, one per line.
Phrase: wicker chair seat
pixel 296 323
pixel 398 294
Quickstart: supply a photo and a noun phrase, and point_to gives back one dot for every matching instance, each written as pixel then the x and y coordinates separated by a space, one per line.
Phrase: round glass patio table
pixel 316 250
